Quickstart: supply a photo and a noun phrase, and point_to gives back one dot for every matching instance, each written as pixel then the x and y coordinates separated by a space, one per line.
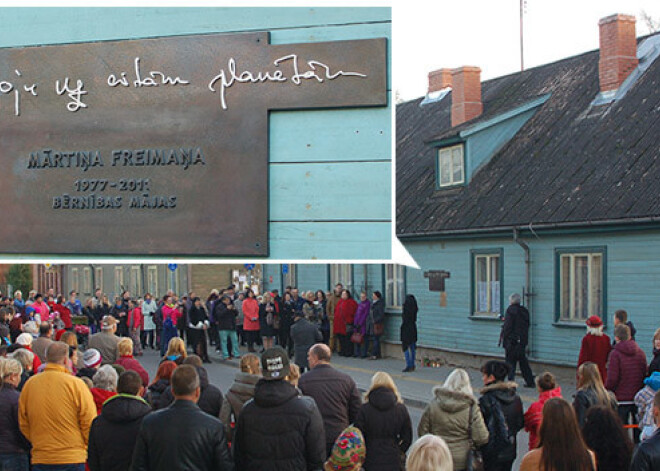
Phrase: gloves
pixel 200 325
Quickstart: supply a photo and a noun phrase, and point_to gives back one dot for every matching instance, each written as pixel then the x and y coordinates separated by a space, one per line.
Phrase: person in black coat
pixel 113 433
pixel 225 314
pixel 287 314
pixel 385 423
pixel 278 429
pixel 14 447
pixel 514 340
pixel 503 414
pixel 409 331
pixel 200 439
pixel 210 399
pixel 304 334
pixel 198 323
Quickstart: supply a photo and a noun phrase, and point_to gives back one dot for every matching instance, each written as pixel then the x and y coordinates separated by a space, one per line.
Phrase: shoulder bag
pixel 475 460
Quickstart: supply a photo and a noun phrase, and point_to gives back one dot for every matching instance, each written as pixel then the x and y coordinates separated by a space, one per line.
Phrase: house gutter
pixel 541 226
pixel 527 289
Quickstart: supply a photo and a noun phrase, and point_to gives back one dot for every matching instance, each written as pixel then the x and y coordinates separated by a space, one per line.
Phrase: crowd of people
pixel 289 408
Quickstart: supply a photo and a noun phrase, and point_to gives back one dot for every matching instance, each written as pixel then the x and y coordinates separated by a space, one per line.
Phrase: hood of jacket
pixel 653 381
pixel 627 347
pixel 243 386
pixel 382 399
pixel 504 391
pixel 159 386
pixel 101 395
pixel 125 408
pixel 273 393
pixel 452 401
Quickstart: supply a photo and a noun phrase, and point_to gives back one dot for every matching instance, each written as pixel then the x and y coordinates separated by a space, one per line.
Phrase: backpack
pixel 498 430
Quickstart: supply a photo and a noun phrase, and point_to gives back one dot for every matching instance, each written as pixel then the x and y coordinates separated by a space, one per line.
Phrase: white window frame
pixel 447 153
pixel 87 281
pixel 75 280
pixel 341 273
pixel 395 286
pixel 595 306
pixel 119 280
pixel 490 294
pixel 135 281
pixel 98 278
pixel 173 281
pixel 152 281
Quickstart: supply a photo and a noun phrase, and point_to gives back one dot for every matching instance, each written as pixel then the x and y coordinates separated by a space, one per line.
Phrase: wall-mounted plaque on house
pixel 159 146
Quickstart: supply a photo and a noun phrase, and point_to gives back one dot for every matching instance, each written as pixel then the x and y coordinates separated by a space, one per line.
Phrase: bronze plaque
pixel 159 146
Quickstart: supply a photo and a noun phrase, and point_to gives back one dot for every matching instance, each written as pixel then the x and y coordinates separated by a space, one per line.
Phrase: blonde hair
pixel 250 364
pixel 176 347
pixel 125 347
pixel 25 357
pixel 383 380
pixel 8 367
pixel 70 338
pixel 429 453
pixel 459 381
pixel 294 374
pixel 589 378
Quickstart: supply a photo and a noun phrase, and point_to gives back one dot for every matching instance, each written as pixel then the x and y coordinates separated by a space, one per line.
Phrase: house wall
pixel 633 282
pixel 319 160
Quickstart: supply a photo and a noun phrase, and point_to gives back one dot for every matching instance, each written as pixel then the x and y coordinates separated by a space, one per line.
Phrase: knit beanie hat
pixel 24 339
pixel 348 452
pixel 91 358
pixel 653 381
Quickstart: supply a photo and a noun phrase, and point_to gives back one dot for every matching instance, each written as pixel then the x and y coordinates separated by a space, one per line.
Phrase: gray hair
pixel 459 381
pixel 106 378
pixel 25 357
pixel 514 298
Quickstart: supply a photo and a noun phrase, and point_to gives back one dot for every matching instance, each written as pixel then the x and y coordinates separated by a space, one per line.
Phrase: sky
pixel 431 35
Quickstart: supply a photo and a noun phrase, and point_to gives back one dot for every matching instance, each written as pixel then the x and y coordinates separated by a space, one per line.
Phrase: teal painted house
pixel 329 170
pixel 542 182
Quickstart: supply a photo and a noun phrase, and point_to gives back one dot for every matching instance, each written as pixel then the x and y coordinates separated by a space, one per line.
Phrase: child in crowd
pixel 547 387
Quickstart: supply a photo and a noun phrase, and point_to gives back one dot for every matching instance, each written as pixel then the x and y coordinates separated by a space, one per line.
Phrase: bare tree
pixel 653 25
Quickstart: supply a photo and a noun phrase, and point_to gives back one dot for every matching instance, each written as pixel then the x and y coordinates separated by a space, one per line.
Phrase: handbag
pixel 379 329
pixel 357 337
pixel 475 460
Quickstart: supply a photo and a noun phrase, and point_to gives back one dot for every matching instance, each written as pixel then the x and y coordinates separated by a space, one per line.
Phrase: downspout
pixel 527 289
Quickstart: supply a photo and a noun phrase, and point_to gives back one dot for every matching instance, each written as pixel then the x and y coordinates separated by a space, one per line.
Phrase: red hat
pixel 594 321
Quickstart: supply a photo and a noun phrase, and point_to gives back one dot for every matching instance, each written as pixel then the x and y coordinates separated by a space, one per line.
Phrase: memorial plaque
pixel 159 146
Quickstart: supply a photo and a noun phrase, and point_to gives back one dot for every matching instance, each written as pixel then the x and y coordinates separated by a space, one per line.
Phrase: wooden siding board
pixel 312 277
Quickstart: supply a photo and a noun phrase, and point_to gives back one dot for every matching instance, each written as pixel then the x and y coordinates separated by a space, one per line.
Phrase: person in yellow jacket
pixel 55 413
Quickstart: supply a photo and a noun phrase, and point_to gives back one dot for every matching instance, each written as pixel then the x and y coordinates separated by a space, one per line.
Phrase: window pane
pixel 400 285
pixel 495 284
pixel 445 169
pixel 457 164
pixel 481 273
pixel 565 284
pixel 596 285
pixel 581 287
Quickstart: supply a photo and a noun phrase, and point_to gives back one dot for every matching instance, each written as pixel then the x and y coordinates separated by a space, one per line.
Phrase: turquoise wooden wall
pixel 633 282
pixel 330 170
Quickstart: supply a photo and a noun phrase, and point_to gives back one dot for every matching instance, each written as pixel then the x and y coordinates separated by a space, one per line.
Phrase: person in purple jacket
pixel 360 325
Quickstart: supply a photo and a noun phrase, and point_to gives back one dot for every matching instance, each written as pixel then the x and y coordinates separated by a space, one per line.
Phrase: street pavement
pixel 415 387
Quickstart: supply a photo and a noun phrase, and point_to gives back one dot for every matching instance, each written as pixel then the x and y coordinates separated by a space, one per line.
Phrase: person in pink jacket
pixel 170 317
pixel 135 326
pixel 41 308
pixel 250 319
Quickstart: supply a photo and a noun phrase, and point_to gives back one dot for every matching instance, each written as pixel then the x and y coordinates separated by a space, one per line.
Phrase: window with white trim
pixel 87 281
pixel 75 280
pixel 152 281
pixel 451 169
pixel 173 282
pixel 98 278
pixel 581 293
pixel 119 280
pixel 394 286
pixel 290 278
pixel 487 284
pixel 341 273
pixel 135 284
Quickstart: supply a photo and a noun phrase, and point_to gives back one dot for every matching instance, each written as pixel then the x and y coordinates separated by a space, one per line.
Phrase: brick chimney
pixel 466 94
pixel 439 79
pixel 618 50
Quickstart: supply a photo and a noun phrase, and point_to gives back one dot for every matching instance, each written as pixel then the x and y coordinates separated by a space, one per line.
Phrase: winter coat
pixel 239 393
pixel 409 322
pixel 170 313
pixel 279 430
pixel 361 316
pixel 448 416
pixel 653 366
pixel 586 398
pixel 113 433
pixel 130 363
pixel 336 396
pixel 100 396
pixel 135 318
pixel 344 315
pixel 596 349
pixel 148 310
pixel 286 316
pixel 225 318
pixel 250 314
pixel 210 398
pixel 106 343
pixel 155 392
pixel 199 440
pixel 39 346
pixel 238 305
pixel 534 415
pixel 331 305
pixel 647 456
pixel 497 396
pixel 11 438
pixel 516 327
pixel 633 331
pixel 304 334
pixel 67 427
pixel 266 329
pixel 626 371
pixel 387 429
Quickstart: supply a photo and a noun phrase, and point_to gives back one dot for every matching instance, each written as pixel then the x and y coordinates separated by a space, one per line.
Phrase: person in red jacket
pixel 625 374
pixel 62 312
pixel 343 322
pixel 125 349
pixel 547 388
pixel 250 319
pixel 135 326
pixel 596 346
